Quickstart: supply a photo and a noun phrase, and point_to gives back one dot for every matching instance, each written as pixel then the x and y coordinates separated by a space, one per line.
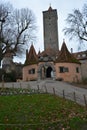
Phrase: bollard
pixel 74 96
pixel 63 94
pixel 54 91
pixel 85 100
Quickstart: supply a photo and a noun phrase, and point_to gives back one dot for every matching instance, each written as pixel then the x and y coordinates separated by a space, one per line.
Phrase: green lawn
pixel 41 112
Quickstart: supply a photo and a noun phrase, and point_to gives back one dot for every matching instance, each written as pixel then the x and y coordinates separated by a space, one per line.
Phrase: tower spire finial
pixel 50 8
pixel 63 40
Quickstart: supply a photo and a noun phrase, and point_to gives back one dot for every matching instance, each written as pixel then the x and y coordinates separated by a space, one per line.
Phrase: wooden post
pixel 74 96
pixel 54 91
pixel 85 100
pixel 63 94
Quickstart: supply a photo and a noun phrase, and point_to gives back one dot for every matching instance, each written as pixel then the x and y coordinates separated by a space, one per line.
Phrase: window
pixel 63 69
pixel 83 55
pixel 79 56
pixel 77 70
pixel 66 69
pixel 32 71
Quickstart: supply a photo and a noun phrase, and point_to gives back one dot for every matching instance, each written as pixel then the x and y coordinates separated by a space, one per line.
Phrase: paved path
pixel 71 92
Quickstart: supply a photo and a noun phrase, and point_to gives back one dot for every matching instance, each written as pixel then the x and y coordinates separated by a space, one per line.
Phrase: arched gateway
pixel 46 70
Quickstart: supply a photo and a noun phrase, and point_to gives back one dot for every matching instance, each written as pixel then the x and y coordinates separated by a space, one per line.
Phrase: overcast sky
pixel 63 8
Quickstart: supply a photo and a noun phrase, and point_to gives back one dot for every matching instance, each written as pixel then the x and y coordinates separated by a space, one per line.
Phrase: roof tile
pixel 66 56
pixel 32 57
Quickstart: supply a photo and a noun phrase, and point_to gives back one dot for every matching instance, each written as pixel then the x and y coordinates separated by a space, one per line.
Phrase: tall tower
pixel 50 28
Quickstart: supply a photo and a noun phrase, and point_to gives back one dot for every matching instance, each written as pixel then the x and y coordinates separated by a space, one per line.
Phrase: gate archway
pixel 46 70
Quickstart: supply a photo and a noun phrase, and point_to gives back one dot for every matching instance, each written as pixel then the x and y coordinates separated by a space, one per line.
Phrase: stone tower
pixel 50 28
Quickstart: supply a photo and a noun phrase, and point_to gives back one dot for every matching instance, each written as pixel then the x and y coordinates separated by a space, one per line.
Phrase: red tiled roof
pixel 66 56
pixel 80 55
pixel 48 52
pixel 32 57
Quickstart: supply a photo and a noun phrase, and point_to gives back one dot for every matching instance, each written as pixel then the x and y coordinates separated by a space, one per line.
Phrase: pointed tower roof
pixel 32 57
pixel 39 52
pixel 66 56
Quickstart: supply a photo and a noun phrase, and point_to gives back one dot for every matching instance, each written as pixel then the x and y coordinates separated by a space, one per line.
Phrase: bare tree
pixel 77 24
pixel 17 27
pixel 4 10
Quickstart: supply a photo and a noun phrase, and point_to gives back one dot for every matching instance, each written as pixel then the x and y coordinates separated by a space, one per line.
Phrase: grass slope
pixel 41 112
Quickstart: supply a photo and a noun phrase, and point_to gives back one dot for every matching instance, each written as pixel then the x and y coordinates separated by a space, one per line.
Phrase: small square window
pixel 83 55
pixel 66 69
pixel 32 71
pixel 63 69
